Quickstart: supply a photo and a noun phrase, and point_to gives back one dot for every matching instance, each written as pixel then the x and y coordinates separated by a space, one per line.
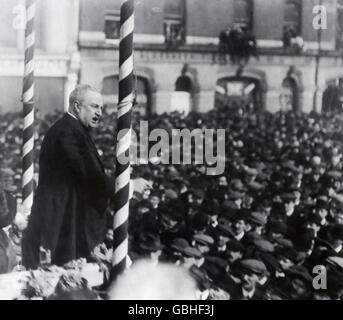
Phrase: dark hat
pixel 314 218
pixel 254 266
pixel 250 171
pixel 288 253
pixel 282 242
pixel 237 185
pixel 179 244
pixel 300 272
pixel 170 194
pixel 289 164
pixel 255 186
pixel 183 246
pixel 263 245
pixel 270 261
pixel 200 277
pixel 150 242
pixel 235 246
pixel 234 195
pixel 203 239
pixel 156 193
pixel 334 280
pixel 192 252
pixel 218 262
pixel 229 206
pixel 200 221
pixel 144 204
pixel 197 192
pixel 334 174
pixel 257 218
pixel 287 197
pixel 322 202
pixel 278 227
pixel 224 227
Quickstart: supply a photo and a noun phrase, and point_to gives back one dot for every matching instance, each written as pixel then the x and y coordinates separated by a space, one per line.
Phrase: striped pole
pixel 122 183
pixel 28 107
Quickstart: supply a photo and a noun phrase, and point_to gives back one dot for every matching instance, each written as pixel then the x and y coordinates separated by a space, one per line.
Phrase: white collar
pixel 248 294
pixel 240 236
pixel 338 249
pixel 72 115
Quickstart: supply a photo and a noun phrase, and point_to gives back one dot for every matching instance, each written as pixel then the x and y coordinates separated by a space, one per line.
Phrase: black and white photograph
pixel 171 150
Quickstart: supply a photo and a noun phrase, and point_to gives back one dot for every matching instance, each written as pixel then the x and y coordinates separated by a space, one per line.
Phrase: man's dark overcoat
pixel 69 211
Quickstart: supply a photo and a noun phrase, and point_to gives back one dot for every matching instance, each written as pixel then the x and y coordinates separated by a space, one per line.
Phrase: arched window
pixel 239 91
pixel 289 95
pixel 243 13
pixel 183 96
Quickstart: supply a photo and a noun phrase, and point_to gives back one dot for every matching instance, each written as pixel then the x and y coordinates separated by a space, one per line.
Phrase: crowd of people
pixel 239 43
pixel 259 230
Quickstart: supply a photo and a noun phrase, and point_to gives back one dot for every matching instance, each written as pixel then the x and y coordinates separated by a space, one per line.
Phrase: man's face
pixel 233 256
pixel 322 213
pixel 222 181
pixel 109 235
pixel 203 248
pixel 299 287
pixel 339 217
pixel 286 263
pixel 247 202
pixel 155 201
pixel 146 194
pixel 289 207
pixel 239 226
pixel 90 110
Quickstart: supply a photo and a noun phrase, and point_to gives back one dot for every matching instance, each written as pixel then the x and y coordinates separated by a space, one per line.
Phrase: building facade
pixel 57 60
pixel 178 61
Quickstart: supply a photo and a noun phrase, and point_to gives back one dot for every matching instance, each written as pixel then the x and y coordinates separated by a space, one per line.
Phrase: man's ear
pixel 77 107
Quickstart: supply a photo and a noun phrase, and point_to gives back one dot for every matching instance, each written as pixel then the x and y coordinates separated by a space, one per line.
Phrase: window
pixel 289 95
pixel 292 15
pixel 112 25
pixel 239 90
pixel 243 12
pixel 174 24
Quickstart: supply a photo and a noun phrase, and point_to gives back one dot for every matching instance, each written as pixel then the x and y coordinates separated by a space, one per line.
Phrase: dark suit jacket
pixel 68 214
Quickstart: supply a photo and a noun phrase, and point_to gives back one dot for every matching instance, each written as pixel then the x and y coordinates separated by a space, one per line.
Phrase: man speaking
pixel 68 215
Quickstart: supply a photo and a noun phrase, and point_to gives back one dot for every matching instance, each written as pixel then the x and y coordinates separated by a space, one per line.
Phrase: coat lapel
pixel 90 142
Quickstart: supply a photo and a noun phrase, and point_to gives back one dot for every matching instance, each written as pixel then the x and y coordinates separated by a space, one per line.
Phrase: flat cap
pixel 203 239
pixel 257 218
pixel 254 265
pixel 263 245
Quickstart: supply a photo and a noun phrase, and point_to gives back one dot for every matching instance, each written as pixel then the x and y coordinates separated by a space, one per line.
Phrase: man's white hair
pixel 77 95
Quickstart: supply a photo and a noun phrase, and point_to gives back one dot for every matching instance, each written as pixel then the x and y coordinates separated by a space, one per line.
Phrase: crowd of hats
pixel 255 232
